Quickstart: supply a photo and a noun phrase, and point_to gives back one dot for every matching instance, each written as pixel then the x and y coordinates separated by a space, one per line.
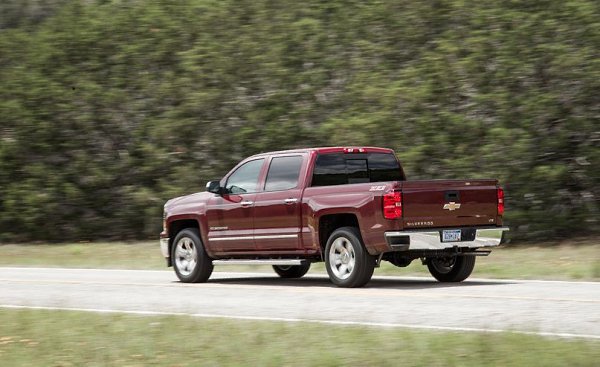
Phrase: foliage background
pixel 109 108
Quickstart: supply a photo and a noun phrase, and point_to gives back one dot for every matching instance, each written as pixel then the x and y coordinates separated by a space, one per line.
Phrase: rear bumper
pixel 431 239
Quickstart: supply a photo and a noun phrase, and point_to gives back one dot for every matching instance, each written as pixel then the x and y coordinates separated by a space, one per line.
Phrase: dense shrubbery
pixel 108 108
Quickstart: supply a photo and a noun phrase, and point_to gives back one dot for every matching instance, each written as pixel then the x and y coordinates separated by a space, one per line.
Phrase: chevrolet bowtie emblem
pixel 452 206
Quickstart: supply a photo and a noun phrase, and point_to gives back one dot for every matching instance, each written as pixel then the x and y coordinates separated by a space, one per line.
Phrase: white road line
pixel 313 321
pixel 378 277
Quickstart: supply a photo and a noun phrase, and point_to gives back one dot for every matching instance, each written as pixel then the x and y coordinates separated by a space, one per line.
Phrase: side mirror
pixel 214 187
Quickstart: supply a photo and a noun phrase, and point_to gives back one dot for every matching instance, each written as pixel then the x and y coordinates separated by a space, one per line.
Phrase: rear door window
pixel 283 173
pixel 341 169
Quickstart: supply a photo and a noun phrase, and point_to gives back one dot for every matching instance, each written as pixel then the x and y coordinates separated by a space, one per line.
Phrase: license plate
pixel 451 235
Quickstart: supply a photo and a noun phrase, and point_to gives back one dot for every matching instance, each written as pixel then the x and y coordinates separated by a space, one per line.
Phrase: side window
pixel 283 173
pixel 245 178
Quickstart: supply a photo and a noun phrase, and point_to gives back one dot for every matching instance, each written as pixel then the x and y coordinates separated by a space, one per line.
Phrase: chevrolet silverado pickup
pixel 349 207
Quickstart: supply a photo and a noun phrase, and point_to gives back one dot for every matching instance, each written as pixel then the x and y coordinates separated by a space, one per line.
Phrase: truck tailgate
pixel 449 203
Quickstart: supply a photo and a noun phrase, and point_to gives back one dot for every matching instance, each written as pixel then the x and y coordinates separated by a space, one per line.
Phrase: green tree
pixel 109 108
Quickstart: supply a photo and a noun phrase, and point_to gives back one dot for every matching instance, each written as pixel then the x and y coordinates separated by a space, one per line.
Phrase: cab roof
pixel 324 150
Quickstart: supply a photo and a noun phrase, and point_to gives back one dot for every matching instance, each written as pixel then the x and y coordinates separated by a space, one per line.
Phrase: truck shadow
pixel 380 282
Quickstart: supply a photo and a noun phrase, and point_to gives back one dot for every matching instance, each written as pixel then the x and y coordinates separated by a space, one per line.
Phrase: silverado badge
pixel 452 206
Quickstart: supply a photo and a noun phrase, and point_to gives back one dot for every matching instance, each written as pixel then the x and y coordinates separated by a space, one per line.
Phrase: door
pixel 277 207
pixel 230 216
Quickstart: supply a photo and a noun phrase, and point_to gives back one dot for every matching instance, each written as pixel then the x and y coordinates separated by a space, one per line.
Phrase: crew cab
pixel 350 207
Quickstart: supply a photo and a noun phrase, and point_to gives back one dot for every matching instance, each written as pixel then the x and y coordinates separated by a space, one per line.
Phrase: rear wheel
pixel 190 261
pixel 291 271
pixel 347 261
pixel 452 268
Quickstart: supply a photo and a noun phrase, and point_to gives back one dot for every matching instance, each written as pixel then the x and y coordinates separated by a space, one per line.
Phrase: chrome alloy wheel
pixel 186 256
pixel 342 258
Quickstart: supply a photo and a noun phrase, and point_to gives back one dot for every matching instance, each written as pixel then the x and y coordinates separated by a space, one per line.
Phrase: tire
pixel 348 263
pixel 451 269
pixel 291 271
pixel 190 261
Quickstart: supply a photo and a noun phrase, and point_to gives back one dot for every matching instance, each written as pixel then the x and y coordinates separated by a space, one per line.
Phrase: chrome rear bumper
pixel 431 239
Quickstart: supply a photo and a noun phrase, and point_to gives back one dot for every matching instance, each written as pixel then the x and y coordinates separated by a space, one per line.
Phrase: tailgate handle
pixel 451 196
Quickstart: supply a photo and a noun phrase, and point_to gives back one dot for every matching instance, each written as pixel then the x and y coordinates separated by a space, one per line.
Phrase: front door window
pixel 245 179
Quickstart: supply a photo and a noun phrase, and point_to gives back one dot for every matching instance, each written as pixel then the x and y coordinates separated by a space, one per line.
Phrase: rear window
pixel 341 169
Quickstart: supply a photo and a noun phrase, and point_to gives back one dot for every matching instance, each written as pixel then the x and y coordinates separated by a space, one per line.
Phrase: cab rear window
pixel 341 169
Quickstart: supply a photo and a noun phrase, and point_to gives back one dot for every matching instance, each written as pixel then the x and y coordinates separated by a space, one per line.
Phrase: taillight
pixel 500 202
pixel 392 205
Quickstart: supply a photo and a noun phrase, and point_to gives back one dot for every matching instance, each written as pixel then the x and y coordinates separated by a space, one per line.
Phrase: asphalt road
pixel 555 308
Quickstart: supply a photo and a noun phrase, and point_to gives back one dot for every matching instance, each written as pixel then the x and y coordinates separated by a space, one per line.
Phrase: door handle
pixel 246 203
pixel 290 201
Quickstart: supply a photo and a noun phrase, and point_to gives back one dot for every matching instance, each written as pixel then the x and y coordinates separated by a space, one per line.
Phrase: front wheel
pixel 190 261
pixel 291 271
pixel 347 261
pixel 452 268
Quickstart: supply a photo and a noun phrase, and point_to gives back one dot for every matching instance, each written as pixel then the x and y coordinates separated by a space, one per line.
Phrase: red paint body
pixel 292 229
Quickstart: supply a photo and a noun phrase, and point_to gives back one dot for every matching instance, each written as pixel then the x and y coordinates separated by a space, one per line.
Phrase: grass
pixel 113 255
pixel 568 261
pixel 65 338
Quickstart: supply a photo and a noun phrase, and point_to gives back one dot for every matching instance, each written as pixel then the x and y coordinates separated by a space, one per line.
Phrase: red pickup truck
pixel 349 207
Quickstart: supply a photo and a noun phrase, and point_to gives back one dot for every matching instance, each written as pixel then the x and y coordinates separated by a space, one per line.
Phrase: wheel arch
pixel 176 226
pixel 330 222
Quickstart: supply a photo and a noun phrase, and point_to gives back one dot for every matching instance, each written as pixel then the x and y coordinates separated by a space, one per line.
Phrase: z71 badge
pixel 377 188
